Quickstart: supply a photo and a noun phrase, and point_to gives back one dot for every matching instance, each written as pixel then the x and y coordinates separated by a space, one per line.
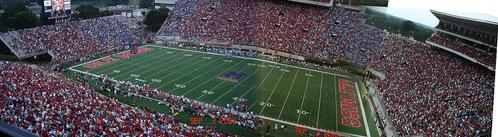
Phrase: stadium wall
pixel 235 46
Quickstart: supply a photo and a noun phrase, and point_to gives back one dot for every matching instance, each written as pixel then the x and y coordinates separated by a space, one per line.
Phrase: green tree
pixel 116 2
pixel 2 4
pixel 146 3
pixel 3 28
pixel 408 25
pixel 17 16
pixel 155 18
pixel 86 12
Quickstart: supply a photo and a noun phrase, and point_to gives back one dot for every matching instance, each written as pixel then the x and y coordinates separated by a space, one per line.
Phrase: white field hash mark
pixel 72 68
pixel 288 93
pixel 304 97
pixel 256 88
pixel 276 85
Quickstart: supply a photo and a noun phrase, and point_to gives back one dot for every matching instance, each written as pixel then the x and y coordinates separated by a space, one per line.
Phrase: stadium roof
pixel 315 2
pixel 479 24
pixel 9 130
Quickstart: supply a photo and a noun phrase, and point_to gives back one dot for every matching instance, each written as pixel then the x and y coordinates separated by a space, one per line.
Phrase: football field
pixel 277 92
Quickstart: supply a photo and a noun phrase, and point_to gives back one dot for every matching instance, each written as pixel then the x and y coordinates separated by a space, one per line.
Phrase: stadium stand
pixel 48 104
pixel 300 29
pixel 472 39
pixel 482 57
pixel 429 92
pixel 72 39
pixel 179 104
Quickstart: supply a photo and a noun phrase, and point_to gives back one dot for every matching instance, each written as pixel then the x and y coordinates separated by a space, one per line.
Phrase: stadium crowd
pixel 482 57
pixel 74 39
pixel 182 12
pixel 48 104
pixel 429 92
pixel 310 31
pixel 178 103
pixel 350 38
pixel 426 91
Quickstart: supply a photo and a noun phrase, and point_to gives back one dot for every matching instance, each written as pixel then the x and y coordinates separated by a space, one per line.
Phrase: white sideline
pixel 260 116
pixel 362 110
pixel 319 100
pixel 308 127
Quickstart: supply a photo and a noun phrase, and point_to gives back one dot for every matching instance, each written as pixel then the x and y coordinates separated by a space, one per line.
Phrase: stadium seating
pixel 73 39
pixel 181 104
pixel 431 92
pixel 482 57
pixel 426 91
pixel 305 30
pixel 48 104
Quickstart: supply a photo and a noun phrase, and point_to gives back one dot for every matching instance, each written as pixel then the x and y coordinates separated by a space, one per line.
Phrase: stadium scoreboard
pixel 56 9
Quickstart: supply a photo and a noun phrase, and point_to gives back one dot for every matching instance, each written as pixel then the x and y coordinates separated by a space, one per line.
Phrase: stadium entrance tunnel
pixel 45 57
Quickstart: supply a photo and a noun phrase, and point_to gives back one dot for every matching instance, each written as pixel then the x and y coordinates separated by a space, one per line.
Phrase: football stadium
pixel 240 68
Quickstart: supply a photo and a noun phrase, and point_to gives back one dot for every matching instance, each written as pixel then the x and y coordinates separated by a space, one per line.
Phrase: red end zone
pixel 349 108
pixel 109 60
pixel 129 54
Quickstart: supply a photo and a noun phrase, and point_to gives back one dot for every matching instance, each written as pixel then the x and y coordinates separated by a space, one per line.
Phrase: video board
pixel 56 8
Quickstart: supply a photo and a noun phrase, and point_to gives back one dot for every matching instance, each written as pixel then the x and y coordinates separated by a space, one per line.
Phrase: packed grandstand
pixel 426 89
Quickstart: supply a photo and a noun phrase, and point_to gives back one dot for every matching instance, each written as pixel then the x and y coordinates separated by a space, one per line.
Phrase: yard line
pixel 173 72
pixel 252 104
pixel 198 76
pixel 288 93
pixel 163 70
pixel 211 78
pixel 334 81
pixel 184 74
pixel 127 72
pixel 319 101
pixel 276 85
pixel 219 84
pixel 262 60
pixel 104 70
pixel 210 90
pixel 261 83
pixel 235 86
pixel 304 97
pixel 362 109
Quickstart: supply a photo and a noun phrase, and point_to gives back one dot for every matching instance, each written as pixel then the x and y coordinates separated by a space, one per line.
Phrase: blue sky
pixel 418 10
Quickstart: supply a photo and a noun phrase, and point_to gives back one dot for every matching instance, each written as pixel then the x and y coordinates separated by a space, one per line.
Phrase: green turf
pixel 188 73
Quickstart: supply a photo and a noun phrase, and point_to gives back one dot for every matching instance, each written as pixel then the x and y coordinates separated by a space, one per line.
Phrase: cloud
pixel 475 6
